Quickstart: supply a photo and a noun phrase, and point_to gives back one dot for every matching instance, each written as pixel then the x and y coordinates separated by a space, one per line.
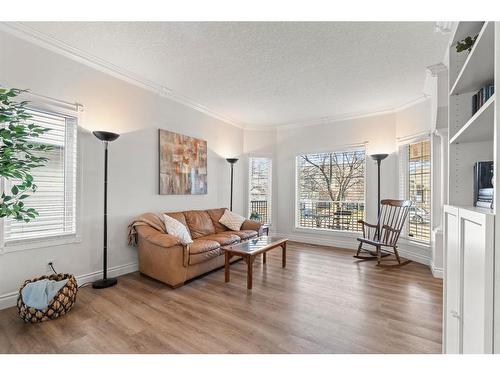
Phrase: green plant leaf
pixel 19 154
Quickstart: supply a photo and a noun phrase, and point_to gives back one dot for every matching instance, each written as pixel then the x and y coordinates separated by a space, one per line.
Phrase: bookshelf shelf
pixel 478 68
pixel 480 126
pixel 479 210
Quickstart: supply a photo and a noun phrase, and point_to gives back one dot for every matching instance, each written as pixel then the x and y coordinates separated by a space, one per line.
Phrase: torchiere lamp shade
pixel 231 160
pixel 379 157
pixel 106 136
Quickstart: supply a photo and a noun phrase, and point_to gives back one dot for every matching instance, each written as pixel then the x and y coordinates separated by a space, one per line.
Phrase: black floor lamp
pixel 378 158
pixel 231 161
pixel 105 282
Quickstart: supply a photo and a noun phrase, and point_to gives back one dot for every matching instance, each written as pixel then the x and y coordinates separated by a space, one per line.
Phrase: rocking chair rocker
pixel 385 234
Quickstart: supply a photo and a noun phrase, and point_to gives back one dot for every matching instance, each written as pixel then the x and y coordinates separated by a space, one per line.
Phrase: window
pixel 415 185
pixel 260 189
pixel 55 198
pixel 331 190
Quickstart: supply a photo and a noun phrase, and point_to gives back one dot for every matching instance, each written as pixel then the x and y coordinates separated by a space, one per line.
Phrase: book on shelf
pixel 485 204
pixel 481 97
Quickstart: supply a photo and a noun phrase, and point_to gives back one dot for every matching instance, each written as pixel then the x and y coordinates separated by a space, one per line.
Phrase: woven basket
pixel 62 302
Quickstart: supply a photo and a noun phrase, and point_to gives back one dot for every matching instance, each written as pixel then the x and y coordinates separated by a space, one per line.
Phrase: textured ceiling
pixel 269 73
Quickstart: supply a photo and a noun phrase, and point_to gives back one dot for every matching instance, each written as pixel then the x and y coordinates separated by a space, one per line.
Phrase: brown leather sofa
pixel 163 257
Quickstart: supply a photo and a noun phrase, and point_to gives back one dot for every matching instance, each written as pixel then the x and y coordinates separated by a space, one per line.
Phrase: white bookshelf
pixel 471 312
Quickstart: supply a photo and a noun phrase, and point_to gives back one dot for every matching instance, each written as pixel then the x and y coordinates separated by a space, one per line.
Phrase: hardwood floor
pixel 323 302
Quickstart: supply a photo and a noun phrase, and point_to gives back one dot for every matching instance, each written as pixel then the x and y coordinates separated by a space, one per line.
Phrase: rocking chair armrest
pixel 367 224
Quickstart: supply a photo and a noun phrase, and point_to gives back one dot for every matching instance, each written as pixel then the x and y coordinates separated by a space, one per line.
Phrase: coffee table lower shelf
pixel 249 250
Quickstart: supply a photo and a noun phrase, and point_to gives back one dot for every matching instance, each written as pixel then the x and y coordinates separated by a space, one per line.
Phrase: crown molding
pixel 444 27
pixel 340 118
pixel 45 41
pixel 435 69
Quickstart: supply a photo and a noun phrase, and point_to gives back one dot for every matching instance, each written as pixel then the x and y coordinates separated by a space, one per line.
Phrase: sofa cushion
pixel 232 220
pixel 177 229
pixel 223 238
pixel 215 214
pixel 202 250
pixel 244 234
pixel 252 225
pixel 179 216
pixel 205 256
pixel 199 223
pixel 201 245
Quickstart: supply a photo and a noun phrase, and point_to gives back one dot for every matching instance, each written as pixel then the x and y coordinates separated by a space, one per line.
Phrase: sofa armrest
pixel 252 225
pixel 155 237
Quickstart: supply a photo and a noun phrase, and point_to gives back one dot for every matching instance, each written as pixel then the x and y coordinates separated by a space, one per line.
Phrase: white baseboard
pixel 343 243
pixel 437 272
pixel 351 244
pixel 10 299
pixel 112 272
pixel 419 258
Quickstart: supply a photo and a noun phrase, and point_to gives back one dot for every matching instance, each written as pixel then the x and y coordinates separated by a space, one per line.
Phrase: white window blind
pixel 403 178
pixel 55 198
pixel 260 189
pixel 415 185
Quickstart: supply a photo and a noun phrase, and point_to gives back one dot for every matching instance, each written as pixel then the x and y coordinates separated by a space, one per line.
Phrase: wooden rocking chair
pixel 385 234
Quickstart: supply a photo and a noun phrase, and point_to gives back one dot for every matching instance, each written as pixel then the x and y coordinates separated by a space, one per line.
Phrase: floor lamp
pixel 231 161
pixel 378 158
pixel 105 282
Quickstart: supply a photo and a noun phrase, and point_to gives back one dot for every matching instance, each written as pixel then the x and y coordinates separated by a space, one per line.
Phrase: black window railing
pixel 258 211
pixel 331 215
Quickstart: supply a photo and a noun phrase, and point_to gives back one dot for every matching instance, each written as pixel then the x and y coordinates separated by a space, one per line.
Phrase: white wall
pixel 112 104
pixel 414 120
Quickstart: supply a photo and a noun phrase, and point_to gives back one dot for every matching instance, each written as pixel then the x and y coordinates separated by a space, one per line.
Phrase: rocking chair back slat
pixel 391 220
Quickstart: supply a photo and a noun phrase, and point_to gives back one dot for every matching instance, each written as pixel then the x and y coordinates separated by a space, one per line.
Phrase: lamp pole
pixel 105 137
pixel 378 158
pixel 231 161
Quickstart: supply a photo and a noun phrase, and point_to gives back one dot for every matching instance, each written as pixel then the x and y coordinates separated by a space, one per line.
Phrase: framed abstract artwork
pixel 183 164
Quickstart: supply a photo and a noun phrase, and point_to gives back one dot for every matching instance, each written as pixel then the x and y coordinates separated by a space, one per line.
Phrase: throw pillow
pixel 231 220
pixel 177 229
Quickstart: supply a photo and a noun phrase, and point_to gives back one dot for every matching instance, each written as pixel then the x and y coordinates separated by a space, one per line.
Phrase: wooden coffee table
pixel 248 250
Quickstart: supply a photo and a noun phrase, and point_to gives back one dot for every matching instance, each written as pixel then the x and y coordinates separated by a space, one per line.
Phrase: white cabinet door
pixel 468 281
pixel 476 237
pixel 452 282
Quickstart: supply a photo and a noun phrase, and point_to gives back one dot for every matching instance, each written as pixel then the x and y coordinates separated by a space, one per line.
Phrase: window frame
pixel 49 105
pixel 335 149
pixel 403 168
pixel 270 183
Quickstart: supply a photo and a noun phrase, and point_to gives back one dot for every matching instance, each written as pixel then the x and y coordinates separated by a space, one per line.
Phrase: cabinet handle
pixel 454 314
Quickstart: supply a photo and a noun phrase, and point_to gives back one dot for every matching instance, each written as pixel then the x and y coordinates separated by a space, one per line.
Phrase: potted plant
pixel 466 44
pixel 19 154
pixel 255 216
